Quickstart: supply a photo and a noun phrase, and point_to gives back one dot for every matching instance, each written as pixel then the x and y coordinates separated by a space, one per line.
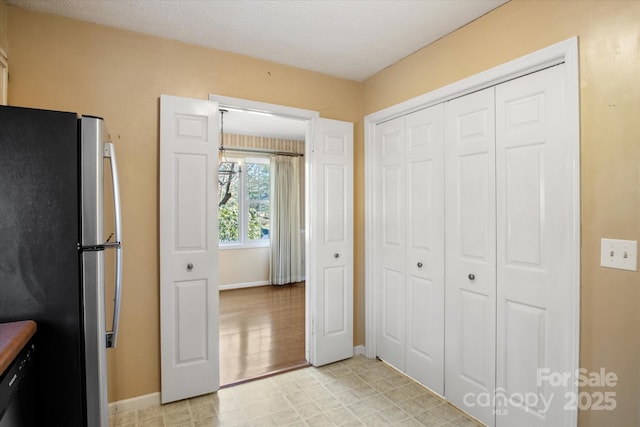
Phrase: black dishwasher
pixel 17 390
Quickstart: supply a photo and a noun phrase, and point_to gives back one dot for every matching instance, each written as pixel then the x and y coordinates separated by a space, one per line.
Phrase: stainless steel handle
pixel 472 276
pixel 189 267
pixel 109 153
pixel 419 265
pixel 336 255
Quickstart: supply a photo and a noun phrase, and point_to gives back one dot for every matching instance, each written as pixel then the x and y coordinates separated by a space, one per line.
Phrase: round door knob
pixel 336 255
pixel 189 267
pixel 472 276
pixel 419 265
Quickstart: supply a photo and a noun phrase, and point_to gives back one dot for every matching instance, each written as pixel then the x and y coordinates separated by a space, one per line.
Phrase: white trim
pixel 359 350
pixel 4 77
pixel 243 285
pixel 280 110
pixel 135 403
pixel 572 81
pixel 564 52
pixel 252 244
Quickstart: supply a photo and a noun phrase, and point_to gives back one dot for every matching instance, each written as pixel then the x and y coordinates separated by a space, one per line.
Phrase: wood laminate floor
pixel 261 331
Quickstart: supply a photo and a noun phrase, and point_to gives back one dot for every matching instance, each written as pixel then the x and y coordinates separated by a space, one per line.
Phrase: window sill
pixel 252 245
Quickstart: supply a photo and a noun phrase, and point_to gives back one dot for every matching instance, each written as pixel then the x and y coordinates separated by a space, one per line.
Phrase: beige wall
pixel 239 266
pixel 64 64
pixel 609 33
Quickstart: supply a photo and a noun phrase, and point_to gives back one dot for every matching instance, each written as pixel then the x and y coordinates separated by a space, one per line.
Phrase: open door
pixel 188 247
pixel 330 212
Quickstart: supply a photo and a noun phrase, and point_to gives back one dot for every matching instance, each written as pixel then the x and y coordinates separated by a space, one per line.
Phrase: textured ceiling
pixel 352 39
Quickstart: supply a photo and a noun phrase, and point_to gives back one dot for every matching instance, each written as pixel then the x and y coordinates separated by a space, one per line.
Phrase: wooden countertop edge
pixel 13 337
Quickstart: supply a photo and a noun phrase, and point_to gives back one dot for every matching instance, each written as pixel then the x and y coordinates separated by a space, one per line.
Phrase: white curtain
pixel 286 249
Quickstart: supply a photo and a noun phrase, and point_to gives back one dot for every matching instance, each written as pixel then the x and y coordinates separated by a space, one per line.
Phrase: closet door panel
pixel 536 218
pixel 424 261
pixel 470 252
pixel 390 152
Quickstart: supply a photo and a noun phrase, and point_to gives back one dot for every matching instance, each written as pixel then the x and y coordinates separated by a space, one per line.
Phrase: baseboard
pixel 153 399
pixel 139 402
pixel 359 350
pixel 243 285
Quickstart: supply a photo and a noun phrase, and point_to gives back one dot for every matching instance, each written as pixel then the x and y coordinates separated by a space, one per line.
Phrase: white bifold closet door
pixel 510 182
pixel 536 218
pixel 470 199
pixel 410 173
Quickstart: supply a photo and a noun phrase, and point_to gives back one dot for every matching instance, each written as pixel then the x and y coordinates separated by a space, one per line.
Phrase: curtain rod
pixel 262 151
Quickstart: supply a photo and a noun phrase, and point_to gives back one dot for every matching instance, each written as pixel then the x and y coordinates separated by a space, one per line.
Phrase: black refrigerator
pixel 52 255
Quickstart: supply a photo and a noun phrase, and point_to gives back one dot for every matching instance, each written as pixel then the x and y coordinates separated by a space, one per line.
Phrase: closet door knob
pixel 472 276
pixel 419 265
pixel 189 267
pixel 336 255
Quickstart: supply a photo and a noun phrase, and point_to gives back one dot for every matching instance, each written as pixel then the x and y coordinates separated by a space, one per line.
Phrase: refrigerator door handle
pixel 112 336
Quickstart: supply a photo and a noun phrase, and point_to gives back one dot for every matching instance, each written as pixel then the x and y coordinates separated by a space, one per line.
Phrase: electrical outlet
pixel 622 254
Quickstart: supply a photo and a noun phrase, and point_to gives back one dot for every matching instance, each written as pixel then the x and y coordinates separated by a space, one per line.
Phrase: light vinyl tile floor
pixel 355 392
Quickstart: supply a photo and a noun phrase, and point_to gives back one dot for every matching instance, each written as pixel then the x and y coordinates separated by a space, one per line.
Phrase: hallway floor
pixel 355 392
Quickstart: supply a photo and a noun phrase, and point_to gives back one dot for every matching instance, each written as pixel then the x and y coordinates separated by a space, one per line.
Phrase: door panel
pixel 475 331
pixel 188 247
pixel 390 146
pixel 393 309
pixel 474 210
pixel 536 218
pixel 332 334
pixel 424 259
pixel 191 195
pixel 470 251
pixel 191 320
pixel 335 294
pixel 523 204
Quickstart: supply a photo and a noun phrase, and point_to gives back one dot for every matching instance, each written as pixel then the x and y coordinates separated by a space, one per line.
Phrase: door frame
pixel 563 52
pixel 309 162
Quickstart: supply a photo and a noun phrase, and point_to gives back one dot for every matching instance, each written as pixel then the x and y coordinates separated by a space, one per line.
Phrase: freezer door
pixel 92 181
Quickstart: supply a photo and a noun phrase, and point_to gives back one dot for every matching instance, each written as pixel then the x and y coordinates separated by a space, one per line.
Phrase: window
pixel 243 209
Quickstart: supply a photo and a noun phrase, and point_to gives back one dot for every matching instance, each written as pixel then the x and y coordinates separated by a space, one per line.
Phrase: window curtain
pixel 286 249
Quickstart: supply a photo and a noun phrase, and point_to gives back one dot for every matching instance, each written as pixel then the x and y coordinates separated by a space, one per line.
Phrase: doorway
pixel 262 314
pixel 189 316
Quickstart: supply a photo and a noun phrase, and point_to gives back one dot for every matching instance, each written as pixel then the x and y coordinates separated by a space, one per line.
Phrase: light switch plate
pixel 622 254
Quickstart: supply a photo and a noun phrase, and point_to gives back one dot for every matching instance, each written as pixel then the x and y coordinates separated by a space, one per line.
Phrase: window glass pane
pixel 228 206
pixel 258 181
pixel 259 223
pixel 258 189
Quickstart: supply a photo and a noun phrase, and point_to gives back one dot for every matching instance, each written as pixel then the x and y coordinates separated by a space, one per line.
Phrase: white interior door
pixel 331 225
pixel 188 247
pixel 390 234
pixel 536 303
pixel 470 319
pixel 424 258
